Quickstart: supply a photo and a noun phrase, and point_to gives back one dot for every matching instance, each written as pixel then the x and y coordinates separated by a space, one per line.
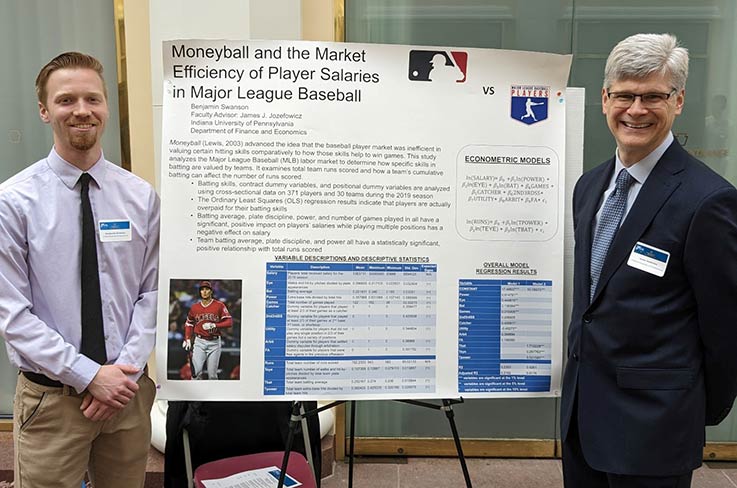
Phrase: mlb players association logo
pixel 438 66
pixel 530 103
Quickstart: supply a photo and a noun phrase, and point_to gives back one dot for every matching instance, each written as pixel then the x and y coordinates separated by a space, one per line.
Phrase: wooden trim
pixel 720 451
pixel 445 447
pixel 136 60
pixel 498 448
pixel 340 433
pixel 123 117
pixel 339 20
pixel 6 425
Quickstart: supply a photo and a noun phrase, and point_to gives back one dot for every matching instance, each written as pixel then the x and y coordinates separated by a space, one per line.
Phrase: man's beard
pixel 83 142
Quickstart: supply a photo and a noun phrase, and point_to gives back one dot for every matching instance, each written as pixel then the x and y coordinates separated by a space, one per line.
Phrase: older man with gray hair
pixel 651 357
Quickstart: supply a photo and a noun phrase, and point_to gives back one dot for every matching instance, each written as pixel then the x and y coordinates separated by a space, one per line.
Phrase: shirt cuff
pixel 82 373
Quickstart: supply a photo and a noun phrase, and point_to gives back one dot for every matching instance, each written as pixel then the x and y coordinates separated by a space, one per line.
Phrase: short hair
pixel 68 60
pixel 641 55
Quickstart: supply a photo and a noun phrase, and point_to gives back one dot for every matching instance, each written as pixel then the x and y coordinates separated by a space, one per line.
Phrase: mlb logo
pixel 438 66
pixel 530 103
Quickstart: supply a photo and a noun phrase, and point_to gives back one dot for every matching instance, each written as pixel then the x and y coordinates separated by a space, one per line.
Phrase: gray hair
pixel 641 55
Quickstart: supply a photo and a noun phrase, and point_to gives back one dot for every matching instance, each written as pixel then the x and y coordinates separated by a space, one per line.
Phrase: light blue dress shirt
pixel 639 171
pixel 40 262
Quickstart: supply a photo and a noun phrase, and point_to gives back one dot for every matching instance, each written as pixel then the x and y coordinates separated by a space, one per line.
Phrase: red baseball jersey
pixel 215 312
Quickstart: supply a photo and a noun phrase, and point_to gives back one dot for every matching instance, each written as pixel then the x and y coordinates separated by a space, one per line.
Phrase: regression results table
pixel 504 335
pixel 359 328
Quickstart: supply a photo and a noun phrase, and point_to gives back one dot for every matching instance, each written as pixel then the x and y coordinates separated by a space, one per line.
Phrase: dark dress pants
pixel 578 474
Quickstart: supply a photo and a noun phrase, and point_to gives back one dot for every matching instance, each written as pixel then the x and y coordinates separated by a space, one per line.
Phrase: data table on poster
pixel 504 335
pixel 358 328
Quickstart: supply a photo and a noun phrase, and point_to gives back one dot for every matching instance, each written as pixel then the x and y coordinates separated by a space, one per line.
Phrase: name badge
pixel 649 259
pixel 115 230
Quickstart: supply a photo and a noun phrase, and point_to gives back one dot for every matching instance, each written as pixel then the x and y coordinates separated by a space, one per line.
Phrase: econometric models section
pixel 504 335
pixel 350 329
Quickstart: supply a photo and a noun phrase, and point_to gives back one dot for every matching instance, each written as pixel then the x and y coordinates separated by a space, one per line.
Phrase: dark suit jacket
pixel 652 360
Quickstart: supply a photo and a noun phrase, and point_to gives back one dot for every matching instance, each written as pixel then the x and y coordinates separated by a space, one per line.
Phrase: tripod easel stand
pixel 299 415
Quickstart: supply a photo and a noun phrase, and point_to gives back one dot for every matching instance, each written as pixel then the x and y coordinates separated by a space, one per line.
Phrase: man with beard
pixel 78 269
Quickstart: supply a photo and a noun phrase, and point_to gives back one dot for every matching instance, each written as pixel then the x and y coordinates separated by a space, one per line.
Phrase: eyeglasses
pixel 647 100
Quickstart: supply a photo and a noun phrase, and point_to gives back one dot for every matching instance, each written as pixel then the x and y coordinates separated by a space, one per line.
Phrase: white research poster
pixel 360 221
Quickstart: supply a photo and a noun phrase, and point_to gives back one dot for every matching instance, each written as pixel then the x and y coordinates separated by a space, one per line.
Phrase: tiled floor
pixel 430 472
pixel 488 473
pixel 154 467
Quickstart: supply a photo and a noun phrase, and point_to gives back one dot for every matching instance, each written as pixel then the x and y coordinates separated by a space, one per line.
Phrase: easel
pixel 299 415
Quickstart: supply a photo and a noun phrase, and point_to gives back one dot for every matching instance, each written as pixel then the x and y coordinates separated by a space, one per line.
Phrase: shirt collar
pixel 641 169
pixel 69 174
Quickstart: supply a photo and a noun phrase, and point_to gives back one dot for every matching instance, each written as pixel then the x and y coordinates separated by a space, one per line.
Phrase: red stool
pixel 297 467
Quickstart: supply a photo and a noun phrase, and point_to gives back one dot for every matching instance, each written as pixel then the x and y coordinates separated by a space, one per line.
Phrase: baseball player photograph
pixel 204 335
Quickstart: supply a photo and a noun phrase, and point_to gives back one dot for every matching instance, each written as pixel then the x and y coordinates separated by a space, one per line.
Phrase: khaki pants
pixel 55 443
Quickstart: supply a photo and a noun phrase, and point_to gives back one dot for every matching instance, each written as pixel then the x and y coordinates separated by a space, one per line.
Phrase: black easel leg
pixel 352 443
pixel 451 419
pixel 293 422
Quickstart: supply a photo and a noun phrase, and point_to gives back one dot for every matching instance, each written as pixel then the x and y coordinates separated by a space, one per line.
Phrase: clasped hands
pixel 109 391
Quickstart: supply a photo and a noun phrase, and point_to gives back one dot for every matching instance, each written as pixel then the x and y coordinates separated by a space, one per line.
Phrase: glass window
pixel 33 32
pixel 588 29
